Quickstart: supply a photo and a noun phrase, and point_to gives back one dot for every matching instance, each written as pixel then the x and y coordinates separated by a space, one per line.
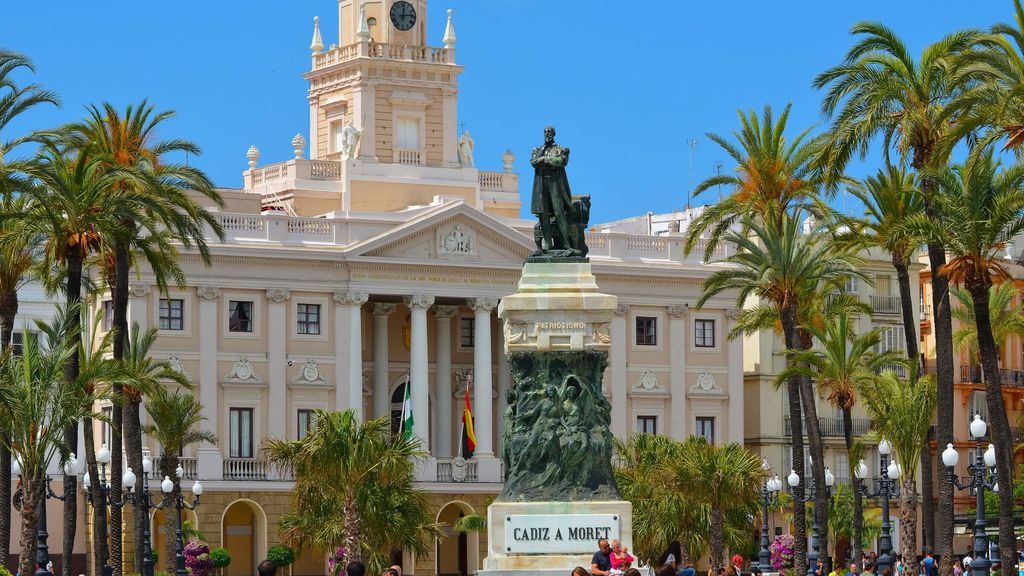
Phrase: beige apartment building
pixel 359 267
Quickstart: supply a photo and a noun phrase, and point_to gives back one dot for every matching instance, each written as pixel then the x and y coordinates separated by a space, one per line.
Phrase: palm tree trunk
pixel 999 424
pixel 119 322
pixel 797 429
pixel 133 446
pixel 908 523
pixel 817 466
pixel 8 311
pixel 168 466
pixel 30 510
pixel 101 554
pixel 717 535
pixel 910 327
pixel 857 536
pixel 73 296
pixel 351 544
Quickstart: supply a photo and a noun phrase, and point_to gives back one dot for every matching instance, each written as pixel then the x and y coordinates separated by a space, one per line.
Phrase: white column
pixel 138 313
pixel 621 426
pixel 677 385
pixel 443 379
pixel 277 329
pixel 418 366
pixel 349 322
pixel 449 127
pixel 504 383
pixel 482 386
pixel 735 376
pixel 381 376
pixel 209 460
pixel 364 111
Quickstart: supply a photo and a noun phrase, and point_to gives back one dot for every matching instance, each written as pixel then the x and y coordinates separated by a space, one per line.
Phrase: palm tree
pixel 129 141
pixel 881 90
pixel 787 271
pixel 1005 318
pixel 730 478
pixel 354 490
pixel 902 412
pixel 842 363
pixel 174 420
pixel 980 207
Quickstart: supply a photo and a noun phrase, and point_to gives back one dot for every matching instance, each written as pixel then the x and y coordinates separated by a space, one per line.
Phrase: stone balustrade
pixel 245 469
pixel 379 50
pixel 491 181
pixel 188 464
pixel 618 246
pixel 295 169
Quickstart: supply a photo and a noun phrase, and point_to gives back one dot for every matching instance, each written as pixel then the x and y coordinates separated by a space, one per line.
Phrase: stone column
pixel 488 467
pixel 443 379
pixel 209 460
pixel 735 377
pixel 678 314
pixel 277 330
pixel 381 375
pixel 449 127
pixel 617 361
pixel 364 112
pixel 419 367
pixel 348 321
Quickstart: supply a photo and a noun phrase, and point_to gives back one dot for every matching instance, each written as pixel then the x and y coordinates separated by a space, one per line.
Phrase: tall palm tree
pixel 881 90
pixel 773 178
pixel 1005 318
pixel 730 478
pixel 15 100
pixel 354 490
pixel 842 363
pixel 129 141
pixel 175 418
pixel 980 207
pixel 902 412
pixel 786 270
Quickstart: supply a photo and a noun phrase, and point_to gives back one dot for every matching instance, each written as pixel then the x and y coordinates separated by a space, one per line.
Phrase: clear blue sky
pixel 625 89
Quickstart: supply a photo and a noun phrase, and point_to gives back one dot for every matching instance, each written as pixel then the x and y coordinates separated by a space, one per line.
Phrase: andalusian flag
pixel 407 420
pixel 468 445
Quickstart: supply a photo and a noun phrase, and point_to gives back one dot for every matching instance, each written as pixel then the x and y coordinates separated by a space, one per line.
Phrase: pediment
pixel 454 233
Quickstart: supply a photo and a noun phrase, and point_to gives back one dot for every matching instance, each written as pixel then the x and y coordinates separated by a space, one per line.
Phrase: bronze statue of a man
pixel 563 218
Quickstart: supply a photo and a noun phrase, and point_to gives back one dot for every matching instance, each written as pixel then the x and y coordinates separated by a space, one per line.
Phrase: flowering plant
pixel 335 563
pixel 782 552
pixel 197 558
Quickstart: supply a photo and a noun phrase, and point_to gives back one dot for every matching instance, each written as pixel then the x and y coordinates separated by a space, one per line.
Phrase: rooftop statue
pixel 560 233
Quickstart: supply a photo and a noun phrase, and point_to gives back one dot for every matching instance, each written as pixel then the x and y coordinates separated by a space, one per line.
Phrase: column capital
pixel 734 314
pixel 479 305
pixel 277 295
pixel 679 310
pixel 621 309
pixel 208 292
pixel 351 298
pixel 419 301
pixel 138 290
pixel 383 308
pixel 445 312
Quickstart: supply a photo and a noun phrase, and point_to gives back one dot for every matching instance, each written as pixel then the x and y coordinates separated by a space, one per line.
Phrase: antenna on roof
pixel 692 142
pixel 718 172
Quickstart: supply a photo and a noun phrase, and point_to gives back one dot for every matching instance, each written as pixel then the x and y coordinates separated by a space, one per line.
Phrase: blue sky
pixel 626 89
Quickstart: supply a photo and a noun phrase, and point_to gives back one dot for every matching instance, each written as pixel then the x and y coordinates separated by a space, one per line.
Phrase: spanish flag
pixel 468 437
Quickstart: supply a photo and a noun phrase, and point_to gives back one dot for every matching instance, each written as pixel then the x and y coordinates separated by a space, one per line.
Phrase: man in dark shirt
pixel 601 563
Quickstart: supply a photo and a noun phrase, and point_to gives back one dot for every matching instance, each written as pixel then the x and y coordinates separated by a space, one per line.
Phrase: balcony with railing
pixel 890 305
pixel 446 472
pixel 188 464
pixel 411 156
pixel 245 469
pixel 900 370
pixel 381 51
pixel 1007 376
pixel 833 427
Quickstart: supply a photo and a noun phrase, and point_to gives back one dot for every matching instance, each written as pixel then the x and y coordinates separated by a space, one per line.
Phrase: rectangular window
pixel 852 285
pixel 108 315
pixel 467 331
pixel 172 314
pixel 646 331
pixel 337 140
pixel 407 134
pixel 704 333
pixel 646 424
pixel 883 285
pixel 706 428
pixel 241 432
pixel 108 416
pixel 842 472
pixel 17 343
pixel 306 420
pixel 308 318
pixel 893 338
pixel 240 316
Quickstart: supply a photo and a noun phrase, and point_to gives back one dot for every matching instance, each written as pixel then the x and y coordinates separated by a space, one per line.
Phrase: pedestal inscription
pixel 558 533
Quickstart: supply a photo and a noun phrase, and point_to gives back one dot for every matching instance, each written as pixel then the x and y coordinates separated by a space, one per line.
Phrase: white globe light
pixel 765 465
pixel 884 447
pixel 15 467
pixel 990 456
pixel 69 466
pixel 950 456
pixel 103 456
pixel 167 486
pixel 128 480
pixel 147 465
pixel 179 472
pixel 978 427
pixel 86 482
pixel 995 487
pixel 830 479
pixel 893 470
pixel 197 489
pixel 861 471
pixel 793 479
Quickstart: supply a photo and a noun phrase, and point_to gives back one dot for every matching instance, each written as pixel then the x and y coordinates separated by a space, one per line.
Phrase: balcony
pixel 445 472
pixel 381 51
pixel 189 465
pixel 411 156
pixel 833 427
pixel 1007 376
pixel 889 305
pixel 245 469
pixel 898 369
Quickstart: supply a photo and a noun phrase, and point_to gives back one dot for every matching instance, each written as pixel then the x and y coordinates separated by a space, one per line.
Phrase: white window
pixel 239 316
pixel 842 471
pixel 646 331
pixel 706 428
pixel 407 133
pixel 308 319
pixel 172 314
pixel 704 333
pixel 305 422
pixel 241 433
pixel 852 285
pixel 108 315
pixel 893 338
pixel 337 139
pixel 977 404
pixel 108 422
pixel 883 285
pixel 646 424
pixel 17 343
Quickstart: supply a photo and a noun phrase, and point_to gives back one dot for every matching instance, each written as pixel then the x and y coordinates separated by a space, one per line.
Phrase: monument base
pixel 551 537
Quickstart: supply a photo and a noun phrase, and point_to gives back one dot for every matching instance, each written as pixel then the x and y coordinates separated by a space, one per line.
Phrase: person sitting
pixel 601 563
pixel 621 559
pixel 266 568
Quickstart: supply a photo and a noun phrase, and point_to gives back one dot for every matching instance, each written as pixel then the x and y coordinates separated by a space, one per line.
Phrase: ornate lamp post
pixel 142 504
pixel 769 495
pixel 888 487
pixel 71 467
pixel 982 476
pixel 178 502
pixel 105 498
pixel 830 480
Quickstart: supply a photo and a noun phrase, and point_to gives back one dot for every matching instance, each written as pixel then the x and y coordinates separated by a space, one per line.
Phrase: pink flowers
pixel 782 552
pixel 197 558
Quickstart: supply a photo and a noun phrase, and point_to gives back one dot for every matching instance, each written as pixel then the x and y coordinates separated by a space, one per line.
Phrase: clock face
pixel 403 15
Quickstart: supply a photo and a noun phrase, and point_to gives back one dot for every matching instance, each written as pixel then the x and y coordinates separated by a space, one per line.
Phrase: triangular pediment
pixel 454 232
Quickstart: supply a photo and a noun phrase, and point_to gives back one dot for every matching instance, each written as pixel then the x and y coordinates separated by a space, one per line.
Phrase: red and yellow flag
pixel 468 437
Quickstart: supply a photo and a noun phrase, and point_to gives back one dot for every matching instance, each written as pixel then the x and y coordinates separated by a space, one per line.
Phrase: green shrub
pixel 4 571
pixel 221 557
pixel 281 555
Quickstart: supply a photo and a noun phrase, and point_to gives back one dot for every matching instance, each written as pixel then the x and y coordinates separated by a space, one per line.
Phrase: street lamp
pixel 71 467
pixel 888 487
pixel 830 480
pixel 178 501
pixel 145 503
pixel 979 481
pixel 769 493
pixel 105 498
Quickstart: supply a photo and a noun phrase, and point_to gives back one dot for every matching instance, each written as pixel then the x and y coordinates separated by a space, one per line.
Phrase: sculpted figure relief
pixel 466 145
pixel 350 139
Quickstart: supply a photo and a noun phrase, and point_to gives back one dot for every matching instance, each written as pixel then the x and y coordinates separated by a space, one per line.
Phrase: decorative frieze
pixel 138 290
pixel 277 295
pixel 243 373
pixel 309 373
pixel 678 310
pixel 648 382
pixel 208 292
